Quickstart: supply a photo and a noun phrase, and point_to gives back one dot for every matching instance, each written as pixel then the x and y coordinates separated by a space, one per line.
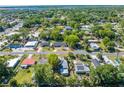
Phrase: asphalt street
pixel 60 52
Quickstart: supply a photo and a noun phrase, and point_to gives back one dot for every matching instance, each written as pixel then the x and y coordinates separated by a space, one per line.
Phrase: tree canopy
pixel 72 40
pixel 105 75
pixel 53 60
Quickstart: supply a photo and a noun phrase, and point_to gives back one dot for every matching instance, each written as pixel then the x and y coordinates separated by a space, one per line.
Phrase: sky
pixel 61 2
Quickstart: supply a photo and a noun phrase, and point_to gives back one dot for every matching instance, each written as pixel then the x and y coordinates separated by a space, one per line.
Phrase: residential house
pixel 81 68
pixel 31 44
pixel 59 44
pixel 13 62
pixel 95 61
pixel 27 62
pixel 44 43
pixel 94 46
pixel 64 67
pixel 15 46
pixel 68 28
pixel 107 60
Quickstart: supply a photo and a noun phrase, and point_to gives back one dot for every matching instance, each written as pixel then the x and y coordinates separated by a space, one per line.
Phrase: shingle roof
pixel 95 62
pixel 28 61
pixel 80 68
pixel 64 63
pixel 44 43
pixel 68 28
pixel 58 44
pixel 43 60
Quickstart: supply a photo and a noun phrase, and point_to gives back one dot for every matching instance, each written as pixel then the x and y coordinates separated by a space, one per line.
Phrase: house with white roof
pixel 31 44
pixel 94 46
pixel 85 27
pixel 13 62
pixel 107 60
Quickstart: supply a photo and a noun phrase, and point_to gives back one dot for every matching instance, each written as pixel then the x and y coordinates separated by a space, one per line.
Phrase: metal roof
pixel 31 43
pixel 13 62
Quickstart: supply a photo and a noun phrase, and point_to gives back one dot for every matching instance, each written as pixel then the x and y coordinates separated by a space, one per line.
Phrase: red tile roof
pixel 28 61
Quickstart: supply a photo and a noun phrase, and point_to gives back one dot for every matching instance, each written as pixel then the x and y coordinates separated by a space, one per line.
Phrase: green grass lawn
pixel 47 49
pixel 37 57
pixel 7 50
pixel 24 76
pixel 102 46
pixel 122 59
pixel 7 57
pixel 30 50
pixel 111 57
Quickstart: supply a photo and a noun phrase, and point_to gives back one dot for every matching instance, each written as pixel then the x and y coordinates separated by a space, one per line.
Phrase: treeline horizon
pixel 61 6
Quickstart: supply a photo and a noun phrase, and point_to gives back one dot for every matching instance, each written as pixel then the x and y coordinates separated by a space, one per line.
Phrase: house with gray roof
pixel 58 44
pixel 95 61
pixel 68 28
pixel 64 67
pixel 81 68
pixel 44 43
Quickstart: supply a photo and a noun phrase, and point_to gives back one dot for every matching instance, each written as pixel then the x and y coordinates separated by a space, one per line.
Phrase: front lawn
pixel 24 76
pixel 47 49
pixel 111 57
pixel 102 46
